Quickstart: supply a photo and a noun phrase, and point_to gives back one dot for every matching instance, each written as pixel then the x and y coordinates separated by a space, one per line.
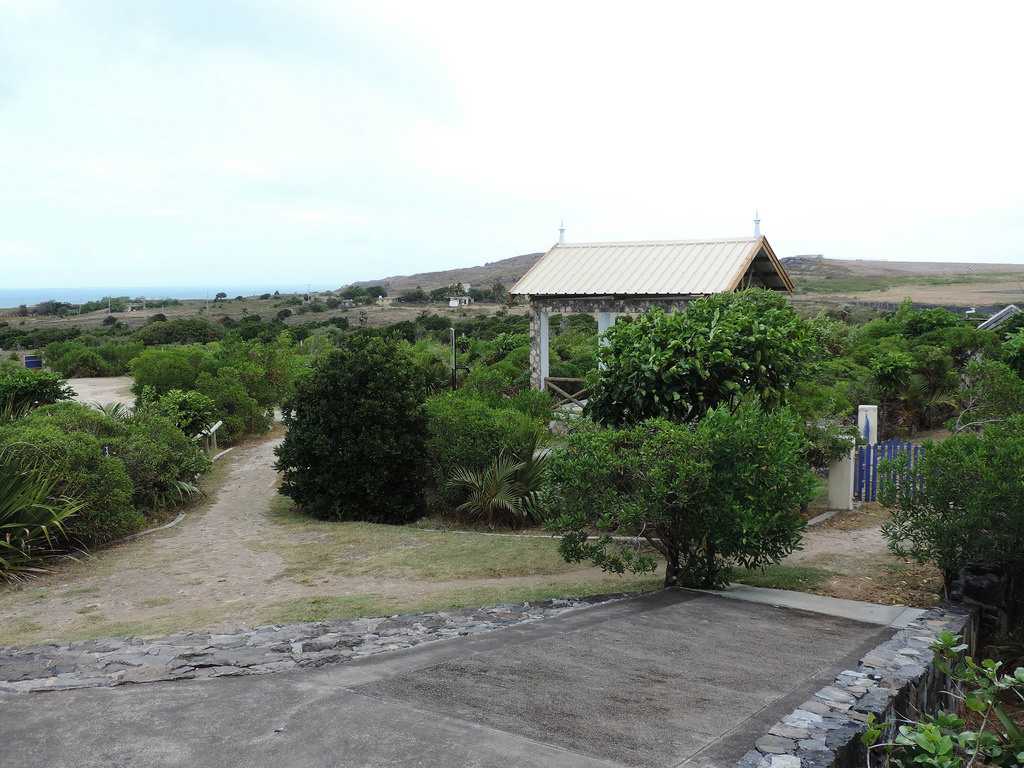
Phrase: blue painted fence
pixel 865 468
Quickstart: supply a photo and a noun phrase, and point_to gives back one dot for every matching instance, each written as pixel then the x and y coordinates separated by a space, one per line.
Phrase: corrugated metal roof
pixel 999 317
pixel 651 268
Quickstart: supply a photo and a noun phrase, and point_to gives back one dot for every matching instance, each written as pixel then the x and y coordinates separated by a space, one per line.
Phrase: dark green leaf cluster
pixel 681 365
pixel 356 443
pixel 724 490
pixel 963 503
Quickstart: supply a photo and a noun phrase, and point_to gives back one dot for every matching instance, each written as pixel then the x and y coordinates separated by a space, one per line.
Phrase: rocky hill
pixel 506 271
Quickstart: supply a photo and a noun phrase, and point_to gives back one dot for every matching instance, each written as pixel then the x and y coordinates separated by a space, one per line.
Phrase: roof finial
pixel 561 232
pixel 757 224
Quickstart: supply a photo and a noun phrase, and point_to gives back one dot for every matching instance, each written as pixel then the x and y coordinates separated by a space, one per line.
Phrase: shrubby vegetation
pixel 963 503
pixel 121 470
pixel 355 448
pixel 32 517
pixel 719 491
pixel 91 356
pixel 466 433
pixel 22 389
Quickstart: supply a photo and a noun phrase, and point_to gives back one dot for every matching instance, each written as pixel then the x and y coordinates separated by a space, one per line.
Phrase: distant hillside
pixel 922 280
pixel 827 280
pixel 507 271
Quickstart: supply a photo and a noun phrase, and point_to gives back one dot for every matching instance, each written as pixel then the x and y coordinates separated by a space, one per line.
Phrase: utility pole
pixel 455 369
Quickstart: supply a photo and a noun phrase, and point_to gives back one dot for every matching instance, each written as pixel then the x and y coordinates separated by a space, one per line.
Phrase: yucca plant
pixel 506 491
pixel 117 411
pixel 31 519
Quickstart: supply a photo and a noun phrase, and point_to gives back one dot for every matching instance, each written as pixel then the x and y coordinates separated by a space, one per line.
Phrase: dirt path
pixel 236 561
pixel 109 389
pixel 852 549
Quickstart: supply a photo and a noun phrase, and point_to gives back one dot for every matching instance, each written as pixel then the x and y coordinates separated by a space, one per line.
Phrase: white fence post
pixel 840 481
pixel 867 423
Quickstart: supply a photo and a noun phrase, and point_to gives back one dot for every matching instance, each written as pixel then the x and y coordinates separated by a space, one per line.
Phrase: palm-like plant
pixel 507 490
pixel 117 411
pixel 31 520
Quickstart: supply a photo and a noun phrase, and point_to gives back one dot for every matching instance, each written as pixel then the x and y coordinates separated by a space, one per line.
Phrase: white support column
pixel 544 338
pixel 867 423
pixel 605 320
pixel 840 482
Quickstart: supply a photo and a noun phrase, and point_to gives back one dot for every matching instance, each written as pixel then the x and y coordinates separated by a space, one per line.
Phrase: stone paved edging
pixel 190 655
pixel 896 677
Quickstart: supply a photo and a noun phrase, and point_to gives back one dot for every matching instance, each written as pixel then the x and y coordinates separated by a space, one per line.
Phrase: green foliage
pixel 32 517
pixel 89 356
pixel 241 413
pixel 681 365
pixel 77 459
pixel 162 462
pixel 1013 351
pixel 466 431
pixel 963 503
pixel 174 367
pixel 117 467
pixel 22 388
pixel 190 411
pixel 244 379
pixel 944 740
pixel 990 391
pixel 506 491
pixel 185 330
pixel 355 448
pixel 724 490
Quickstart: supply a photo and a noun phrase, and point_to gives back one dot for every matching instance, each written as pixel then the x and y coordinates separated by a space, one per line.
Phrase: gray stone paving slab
pixel 673 678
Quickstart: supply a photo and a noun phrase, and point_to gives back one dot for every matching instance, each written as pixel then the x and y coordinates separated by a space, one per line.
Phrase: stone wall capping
pixel 896 677
pixel 263 650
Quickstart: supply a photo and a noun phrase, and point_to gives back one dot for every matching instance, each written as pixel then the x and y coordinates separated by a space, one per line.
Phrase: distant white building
pixel 459 301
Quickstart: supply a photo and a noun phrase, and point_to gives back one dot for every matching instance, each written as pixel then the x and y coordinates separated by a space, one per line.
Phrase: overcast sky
pixel 175 142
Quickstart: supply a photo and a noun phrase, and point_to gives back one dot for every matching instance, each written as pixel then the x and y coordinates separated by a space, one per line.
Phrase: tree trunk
pixel 672 571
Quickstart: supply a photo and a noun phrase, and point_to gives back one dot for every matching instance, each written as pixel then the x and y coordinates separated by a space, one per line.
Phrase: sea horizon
pixel 14 297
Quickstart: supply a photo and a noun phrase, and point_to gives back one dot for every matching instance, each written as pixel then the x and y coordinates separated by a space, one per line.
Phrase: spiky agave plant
pixel 31 518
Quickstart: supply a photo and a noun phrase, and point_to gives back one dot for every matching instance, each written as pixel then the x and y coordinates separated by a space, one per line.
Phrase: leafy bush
pixel 989 392
pixel 240 412
pixel 725 490
pixel 186 330
pixel 86 356
pixel 167 368
pixel 680 365
pixel 355 448
pixel 161 461
pixel 98 481
pixel 32 517
pixel 963 503
pixel 189 411
pixel 465 431
pixel 22 388
pixel 944 740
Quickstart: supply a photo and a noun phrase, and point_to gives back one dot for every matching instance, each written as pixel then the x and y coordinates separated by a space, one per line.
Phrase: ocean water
pixel 12 297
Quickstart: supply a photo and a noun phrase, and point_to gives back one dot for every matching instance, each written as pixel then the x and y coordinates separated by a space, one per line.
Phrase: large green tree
pixel 721 348
pixel 722 491
pixel 356 443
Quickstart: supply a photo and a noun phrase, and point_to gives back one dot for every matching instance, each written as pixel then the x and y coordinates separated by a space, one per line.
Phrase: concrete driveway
pixel 675 678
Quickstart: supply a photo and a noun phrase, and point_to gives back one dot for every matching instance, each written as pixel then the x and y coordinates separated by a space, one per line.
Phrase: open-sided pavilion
pixel 611 279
